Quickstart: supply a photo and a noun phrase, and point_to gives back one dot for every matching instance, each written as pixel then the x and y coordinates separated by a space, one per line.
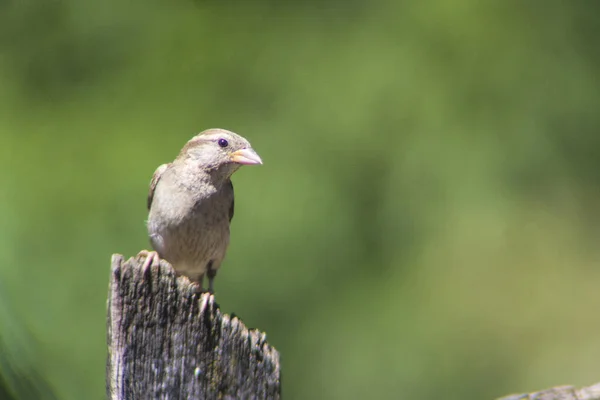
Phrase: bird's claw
pixel 197 288
pixel 152 259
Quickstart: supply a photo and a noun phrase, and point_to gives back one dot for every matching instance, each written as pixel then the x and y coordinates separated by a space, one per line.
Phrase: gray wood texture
pixel 560 393
pixel 167 341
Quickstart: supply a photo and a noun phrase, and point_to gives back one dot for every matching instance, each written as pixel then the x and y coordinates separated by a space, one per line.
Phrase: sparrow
pixel 191 204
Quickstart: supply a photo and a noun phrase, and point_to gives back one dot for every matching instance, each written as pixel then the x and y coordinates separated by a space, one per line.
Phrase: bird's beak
pixel 246 157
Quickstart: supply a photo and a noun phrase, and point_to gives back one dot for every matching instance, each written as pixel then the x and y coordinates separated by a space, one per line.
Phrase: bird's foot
pixel 198 289
pixel 211 273
pixel 152 259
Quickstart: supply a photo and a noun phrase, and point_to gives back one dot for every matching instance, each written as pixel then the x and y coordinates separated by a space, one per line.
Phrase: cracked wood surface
pixel 166 341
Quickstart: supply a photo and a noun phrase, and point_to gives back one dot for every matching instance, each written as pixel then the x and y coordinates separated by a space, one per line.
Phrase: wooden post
pixel 166 341
pixel 560 393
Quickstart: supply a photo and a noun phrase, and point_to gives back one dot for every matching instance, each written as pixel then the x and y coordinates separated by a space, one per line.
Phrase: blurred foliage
pixel 426 221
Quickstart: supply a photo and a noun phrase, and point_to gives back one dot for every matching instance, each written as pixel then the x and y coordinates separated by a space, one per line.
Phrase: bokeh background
pixel 427 221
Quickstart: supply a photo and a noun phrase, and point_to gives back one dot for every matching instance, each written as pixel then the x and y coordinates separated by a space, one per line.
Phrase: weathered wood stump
pixel 560 393
pixel 166 340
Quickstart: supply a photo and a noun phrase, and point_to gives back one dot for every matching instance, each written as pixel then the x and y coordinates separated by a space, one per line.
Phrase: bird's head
pixel 219 152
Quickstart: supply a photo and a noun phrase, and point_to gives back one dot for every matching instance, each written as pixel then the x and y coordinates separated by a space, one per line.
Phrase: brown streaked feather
pixel 194 142
pixel 232 202
pixel 155 178
pixel 202 138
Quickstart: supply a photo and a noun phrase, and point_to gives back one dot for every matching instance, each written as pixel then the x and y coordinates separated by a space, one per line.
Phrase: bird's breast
pixel 192 228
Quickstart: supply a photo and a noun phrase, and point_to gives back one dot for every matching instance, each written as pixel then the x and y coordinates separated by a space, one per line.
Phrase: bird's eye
pixel 223 143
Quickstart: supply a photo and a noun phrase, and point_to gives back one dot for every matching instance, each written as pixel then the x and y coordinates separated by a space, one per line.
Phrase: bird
pixel 191 204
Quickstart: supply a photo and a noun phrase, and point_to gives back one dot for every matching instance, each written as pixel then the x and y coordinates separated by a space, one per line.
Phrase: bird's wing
pixel 232 202
pixel 155 178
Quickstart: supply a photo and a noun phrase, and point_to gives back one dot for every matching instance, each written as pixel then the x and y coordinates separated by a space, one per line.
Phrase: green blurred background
pixel 426 223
